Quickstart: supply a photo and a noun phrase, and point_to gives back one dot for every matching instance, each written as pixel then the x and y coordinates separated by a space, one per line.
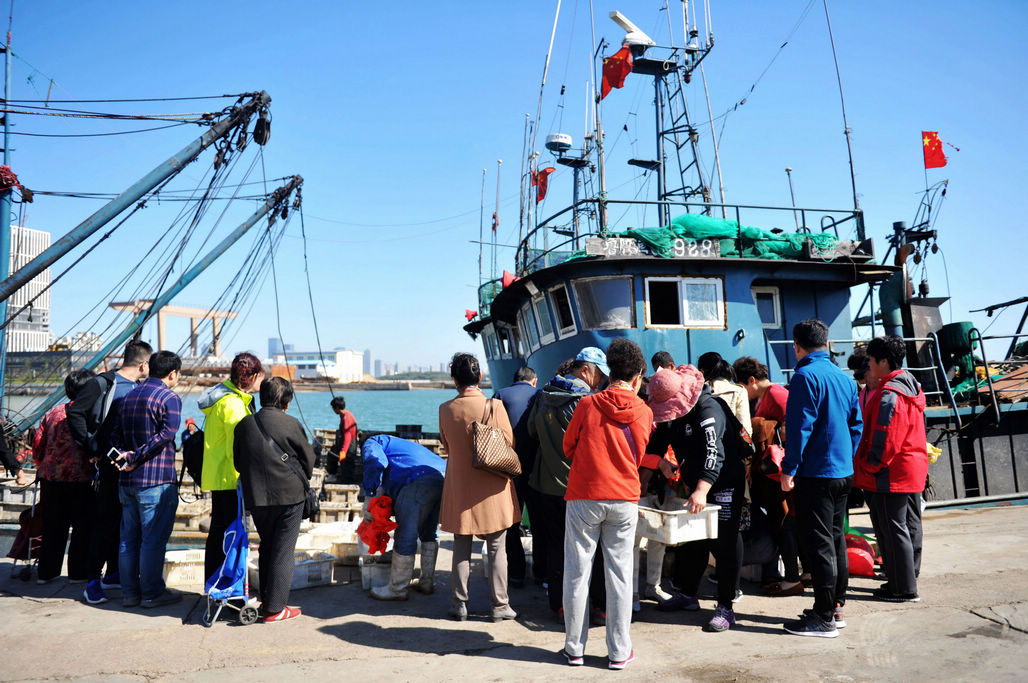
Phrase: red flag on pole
pixel 469 314
pixel 934 157
pixel 540 180
pixel 508 279
pixel 615 70
pixel 496 222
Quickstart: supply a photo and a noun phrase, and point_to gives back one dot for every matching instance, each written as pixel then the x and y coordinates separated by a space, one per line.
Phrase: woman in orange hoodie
pixel 606 444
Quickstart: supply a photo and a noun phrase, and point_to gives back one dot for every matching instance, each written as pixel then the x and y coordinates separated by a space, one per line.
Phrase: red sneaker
pixel 286 613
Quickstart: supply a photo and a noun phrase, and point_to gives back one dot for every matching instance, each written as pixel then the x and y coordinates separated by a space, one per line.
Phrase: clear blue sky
pixel 391 111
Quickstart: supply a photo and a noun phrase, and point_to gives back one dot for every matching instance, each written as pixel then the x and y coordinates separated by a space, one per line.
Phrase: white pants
pixel 654 552
pixel 609 524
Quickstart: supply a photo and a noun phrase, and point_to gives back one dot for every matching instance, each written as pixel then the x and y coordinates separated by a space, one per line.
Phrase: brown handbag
pixel 489 449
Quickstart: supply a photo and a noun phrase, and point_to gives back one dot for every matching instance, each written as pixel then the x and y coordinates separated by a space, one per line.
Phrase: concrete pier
pixel 972 624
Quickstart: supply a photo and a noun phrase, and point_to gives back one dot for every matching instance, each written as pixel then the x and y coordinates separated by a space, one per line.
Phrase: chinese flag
pixel 541 180
pixel 496 222
pixel 615 70
pixel 933 154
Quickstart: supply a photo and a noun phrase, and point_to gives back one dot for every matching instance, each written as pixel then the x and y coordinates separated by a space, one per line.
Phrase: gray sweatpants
pixel 611 525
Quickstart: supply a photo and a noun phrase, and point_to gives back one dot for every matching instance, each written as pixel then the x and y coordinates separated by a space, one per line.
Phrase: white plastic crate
pixel 312 569
pixel 674 527
pixel 184 569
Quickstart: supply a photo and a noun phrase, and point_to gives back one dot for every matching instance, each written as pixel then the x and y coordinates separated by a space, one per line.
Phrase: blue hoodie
pixel 822 420
pixel 392 463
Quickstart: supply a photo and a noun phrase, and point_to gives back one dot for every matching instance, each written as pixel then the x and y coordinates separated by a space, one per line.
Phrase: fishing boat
pixel 735 278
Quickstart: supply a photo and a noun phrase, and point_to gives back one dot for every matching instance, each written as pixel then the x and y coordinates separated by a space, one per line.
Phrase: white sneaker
pixel 657 593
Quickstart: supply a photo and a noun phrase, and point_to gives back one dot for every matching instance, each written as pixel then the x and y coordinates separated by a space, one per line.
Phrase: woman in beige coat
pixel 475 502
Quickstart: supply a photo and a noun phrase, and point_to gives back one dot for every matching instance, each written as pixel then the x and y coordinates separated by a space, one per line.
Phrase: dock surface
pixel 971 624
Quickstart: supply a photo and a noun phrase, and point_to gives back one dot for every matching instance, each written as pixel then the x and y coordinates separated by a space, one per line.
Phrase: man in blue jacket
pixel 517 399
pixel 822 427
pixel 412 476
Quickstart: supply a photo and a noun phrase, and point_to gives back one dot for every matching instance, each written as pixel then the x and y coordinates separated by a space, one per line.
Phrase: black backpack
pixel 192 458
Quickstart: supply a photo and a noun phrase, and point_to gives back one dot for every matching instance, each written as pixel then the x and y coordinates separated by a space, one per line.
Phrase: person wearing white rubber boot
pixel 412 476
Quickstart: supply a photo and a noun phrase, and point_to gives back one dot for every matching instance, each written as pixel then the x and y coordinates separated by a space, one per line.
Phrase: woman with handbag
pixel 475 502
pixel 274 459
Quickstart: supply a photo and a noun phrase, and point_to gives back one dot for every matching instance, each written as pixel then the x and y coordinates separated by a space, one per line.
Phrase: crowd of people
pixel 600 438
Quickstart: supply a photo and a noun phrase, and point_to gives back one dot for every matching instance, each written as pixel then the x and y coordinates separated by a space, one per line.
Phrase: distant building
pixel 30 330
pixel 442 367
pixel 341 365
pixel 275 347
pixel 367 361
pixel 378 367
pixel 81 341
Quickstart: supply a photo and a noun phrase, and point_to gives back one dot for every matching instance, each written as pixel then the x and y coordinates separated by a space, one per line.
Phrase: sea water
pixel 374 410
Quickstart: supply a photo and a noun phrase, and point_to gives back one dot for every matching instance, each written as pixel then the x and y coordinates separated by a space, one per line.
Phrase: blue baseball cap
pixel 593 355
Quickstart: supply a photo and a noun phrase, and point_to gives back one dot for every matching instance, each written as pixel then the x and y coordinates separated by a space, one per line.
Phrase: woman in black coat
pixel 273 490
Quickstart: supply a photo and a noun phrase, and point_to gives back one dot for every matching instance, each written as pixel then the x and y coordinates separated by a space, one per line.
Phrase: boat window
pixel 542 312
pixel 562 307
pixel 663 302
pixel 504 342
pixel 605 303
pixel 769 306
pixel 529 332
pixel 489 341
pixel 704 302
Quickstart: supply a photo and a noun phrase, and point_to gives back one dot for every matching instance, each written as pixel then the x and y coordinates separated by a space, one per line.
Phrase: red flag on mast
pixel 615 70
pixel 540 180
pixel 934 157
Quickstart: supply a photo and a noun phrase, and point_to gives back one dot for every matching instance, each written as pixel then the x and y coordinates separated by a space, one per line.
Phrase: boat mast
pixel 276 200
pixel 5 213
pixel 239 115
pixel 599 128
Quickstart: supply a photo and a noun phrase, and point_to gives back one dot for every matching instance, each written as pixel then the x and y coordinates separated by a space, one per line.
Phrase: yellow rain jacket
pixel 224 405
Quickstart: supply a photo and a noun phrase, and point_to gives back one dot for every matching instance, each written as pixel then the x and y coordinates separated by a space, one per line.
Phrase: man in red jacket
pixel 892 464
pixel 606 444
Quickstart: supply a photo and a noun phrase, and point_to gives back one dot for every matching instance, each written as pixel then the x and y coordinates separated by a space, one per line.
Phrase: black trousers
pixel 67 505
pixel 539 542
pixel 821 521
pixel 691 558
pixel 515 550
pixel 551 515
pixel 900 537
pixel 105 532
pixel 224 506
pixel 278 526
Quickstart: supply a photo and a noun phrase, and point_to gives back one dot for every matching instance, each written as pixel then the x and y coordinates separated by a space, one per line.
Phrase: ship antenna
pixel 481 217
pixel 846 126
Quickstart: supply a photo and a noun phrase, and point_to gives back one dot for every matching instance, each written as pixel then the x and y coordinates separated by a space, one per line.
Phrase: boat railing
pixel 973 337
pixel 942 388
pixel 529 258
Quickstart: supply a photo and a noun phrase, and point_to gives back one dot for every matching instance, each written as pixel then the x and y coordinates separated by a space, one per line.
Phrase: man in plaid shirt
pixel 149 418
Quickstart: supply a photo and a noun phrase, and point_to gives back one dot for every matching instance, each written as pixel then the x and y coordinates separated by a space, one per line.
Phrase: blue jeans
pixel 417 513
pixel 147 516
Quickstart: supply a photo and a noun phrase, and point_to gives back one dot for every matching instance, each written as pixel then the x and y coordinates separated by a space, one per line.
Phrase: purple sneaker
pixel 722 620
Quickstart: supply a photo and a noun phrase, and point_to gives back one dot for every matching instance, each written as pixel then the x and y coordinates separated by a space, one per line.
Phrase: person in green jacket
pixel 224 406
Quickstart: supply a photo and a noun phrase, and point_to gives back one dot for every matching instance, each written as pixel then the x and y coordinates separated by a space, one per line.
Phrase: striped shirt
pixel 148 419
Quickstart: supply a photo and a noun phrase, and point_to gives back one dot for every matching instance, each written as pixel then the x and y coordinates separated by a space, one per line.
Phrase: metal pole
pixel 481 216
pixel 162 172
pixel 5 218
pixel 275 200
pixel 496 221
pixel 663 214
pixel 788 172
pixel 845 125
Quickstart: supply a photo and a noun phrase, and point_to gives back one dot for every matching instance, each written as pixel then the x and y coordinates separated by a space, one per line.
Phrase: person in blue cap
pixel 412 476
pixel 548 420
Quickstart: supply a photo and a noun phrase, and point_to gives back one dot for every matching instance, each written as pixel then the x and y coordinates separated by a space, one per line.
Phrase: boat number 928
pixel 696 249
